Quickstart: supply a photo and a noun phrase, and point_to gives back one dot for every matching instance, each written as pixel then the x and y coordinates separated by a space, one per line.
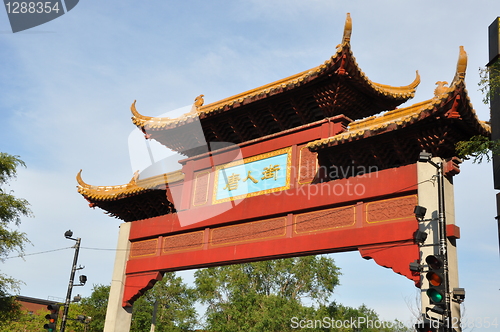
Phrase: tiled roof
pixel 343 57
pixel 134 187
pixel 403 117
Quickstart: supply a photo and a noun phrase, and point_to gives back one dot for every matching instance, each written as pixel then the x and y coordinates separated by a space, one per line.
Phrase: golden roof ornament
pixel 441 88
pixel 199 101
pixel 461 65
pixel 347 29
pixel 462 61
pixel 135 177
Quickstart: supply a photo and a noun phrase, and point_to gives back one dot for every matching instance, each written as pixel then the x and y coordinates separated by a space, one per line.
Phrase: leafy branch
pixel 489 81
pixel 478 148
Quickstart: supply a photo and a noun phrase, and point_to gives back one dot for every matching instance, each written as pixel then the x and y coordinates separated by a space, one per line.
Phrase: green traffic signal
pixel 50 327
pixel 435 276
pixel 434 295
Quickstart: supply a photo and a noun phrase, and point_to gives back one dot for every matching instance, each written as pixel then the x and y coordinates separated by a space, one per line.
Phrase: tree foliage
pixel 175 309
pixel 11 240
pixel 477 148
pixel 94 306
pixel 175 306
pixel 24 321
pixel 263 296
pixel 489 80
pixel 11 208
pixel 481 147
pixel 280 295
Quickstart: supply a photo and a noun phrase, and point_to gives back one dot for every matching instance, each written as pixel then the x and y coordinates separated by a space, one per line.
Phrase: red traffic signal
pixel 429 326
pixel 52 317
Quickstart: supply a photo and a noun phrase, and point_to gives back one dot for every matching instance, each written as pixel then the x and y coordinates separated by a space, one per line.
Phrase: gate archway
pixel 301 166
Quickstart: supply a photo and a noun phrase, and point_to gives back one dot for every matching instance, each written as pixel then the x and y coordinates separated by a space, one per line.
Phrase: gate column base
pixel 118 319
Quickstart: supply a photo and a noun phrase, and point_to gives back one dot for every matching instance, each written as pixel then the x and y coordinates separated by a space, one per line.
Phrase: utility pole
pixel 153 319
pixel 494 55
pixel 83 279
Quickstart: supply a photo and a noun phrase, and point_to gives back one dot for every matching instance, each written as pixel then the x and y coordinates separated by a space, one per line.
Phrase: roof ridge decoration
pixel 461 65
pixel 347 29
pixel 410 113
pixel 134 186
pixel 342 52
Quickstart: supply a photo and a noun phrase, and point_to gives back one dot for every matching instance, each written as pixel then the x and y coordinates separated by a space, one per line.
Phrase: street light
pixel 83 279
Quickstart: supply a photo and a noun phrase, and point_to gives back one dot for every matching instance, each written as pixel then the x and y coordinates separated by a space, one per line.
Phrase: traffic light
pixel 435 276
pixel 52 317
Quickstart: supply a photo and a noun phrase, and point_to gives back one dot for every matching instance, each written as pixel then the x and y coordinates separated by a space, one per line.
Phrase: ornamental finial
pixel 462 62
pixel 199 101
pixel 347 29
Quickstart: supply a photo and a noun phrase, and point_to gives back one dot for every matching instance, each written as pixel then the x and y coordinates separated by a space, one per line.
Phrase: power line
pixel 38 253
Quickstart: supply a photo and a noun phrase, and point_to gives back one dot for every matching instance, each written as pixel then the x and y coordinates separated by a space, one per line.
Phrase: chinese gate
pixel 307 168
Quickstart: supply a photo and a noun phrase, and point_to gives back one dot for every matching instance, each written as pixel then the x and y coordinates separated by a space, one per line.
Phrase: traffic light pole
pixel 437 275
pixel 443 242
pixel 70 286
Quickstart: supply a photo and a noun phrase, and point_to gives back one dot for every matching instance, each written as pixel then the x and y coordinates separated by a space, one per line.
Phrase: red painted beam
pixel 315 243
pixel 394 181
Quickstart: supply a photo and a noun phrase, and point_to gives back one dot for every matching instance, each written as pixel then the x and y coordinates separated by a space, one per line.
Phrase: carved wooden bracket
pixel 137 284
pixel 395 256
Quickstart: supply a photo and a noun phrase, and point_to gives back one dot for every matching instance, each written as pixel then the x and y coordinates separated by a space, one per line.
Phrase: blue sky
pixel 66 88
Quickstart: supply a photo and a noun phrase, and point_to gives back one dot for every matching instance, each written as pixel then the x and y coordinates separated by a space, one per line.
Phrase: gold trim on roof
pixel 344 49
pixel 347 29
pixel 403 116
pixel 135 186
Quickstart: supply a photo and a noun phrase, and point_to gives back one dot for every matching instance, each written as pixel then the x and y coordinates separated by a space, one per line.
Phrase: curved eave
pixel 133 188
pixel 342 63
pixel 407 116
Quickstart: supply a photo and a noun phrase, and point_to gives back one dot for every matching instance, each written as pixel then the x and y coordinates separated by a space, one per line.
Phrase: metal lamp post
pixel 83 278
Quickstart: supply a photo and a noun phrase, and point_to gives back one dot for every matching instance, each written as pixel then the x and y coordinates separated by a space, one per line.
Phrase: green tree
pixel 489 81
pixel 362 319
pixel 94 307
pixel 25 321
pixel 477 148
pixel 265 296
pixel 11 240
pixel 175 307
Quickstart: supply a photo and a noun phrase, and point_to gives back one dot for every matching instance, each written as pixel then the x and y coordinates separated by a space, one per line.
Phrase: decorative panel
pixel 325 220
pixel 392 209
pixel 143 248
pixel 256 230
pixel 183 242
pixel 200 191
pixel 308 165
